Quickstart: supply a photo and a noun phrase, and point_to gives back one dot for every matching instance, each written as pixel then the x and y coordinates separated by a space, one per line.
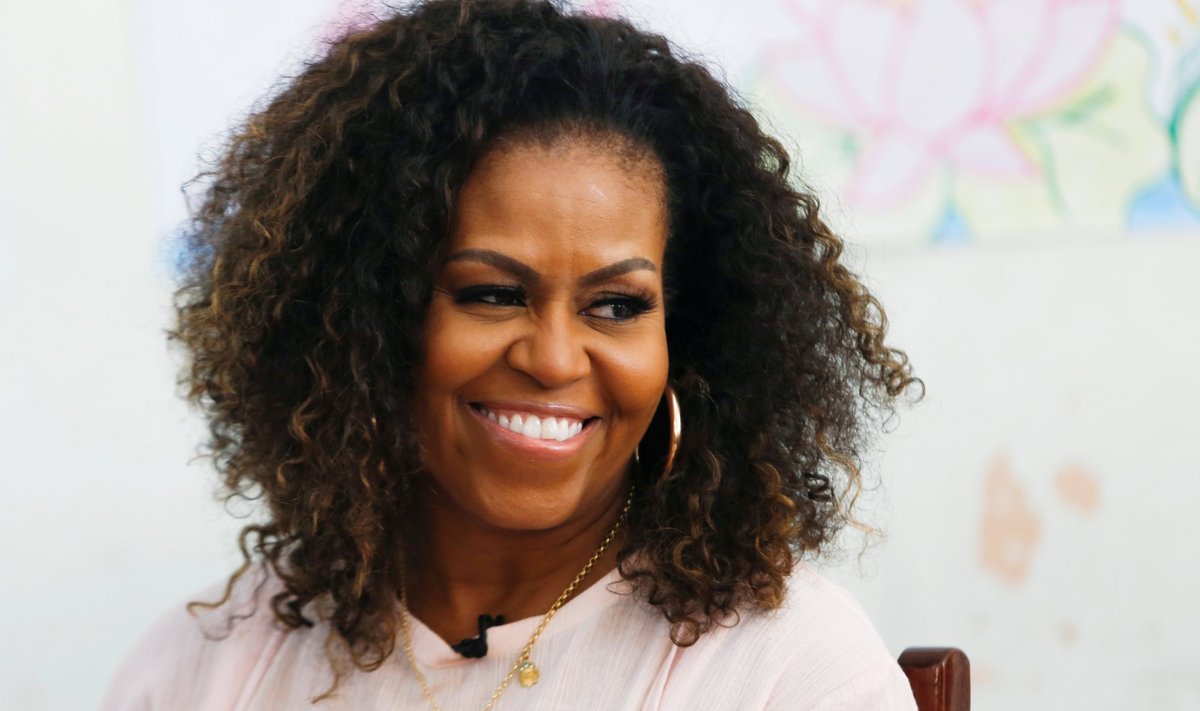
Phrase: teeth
pixel 532 428
pixel 558 429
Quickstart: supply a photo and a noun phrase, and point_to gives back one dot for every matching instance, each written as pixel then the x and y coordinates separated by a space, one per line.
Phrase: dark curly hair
pixel 310 268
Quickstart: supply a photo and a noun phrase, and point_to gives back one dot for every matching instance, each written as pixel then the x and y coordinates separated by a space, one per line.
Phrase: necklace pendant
pixel 528 674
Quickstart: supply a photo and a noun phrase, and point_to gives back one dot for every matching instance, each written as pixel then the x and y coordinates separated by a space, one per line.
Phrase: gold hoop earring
pixel 676 422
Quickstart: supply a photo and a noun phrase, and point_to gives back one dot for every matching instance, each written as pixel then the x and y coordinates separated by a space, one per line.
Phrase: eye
pixel 619 308
pixel 494 295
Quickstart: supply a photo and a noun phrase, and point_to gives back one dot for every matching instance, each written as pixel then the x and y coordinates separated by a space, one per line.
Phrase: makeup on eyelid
pixel 636 301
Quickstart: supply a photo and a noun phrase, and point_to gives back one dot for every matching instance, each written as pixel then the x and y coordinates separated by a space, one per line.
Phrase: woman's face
pixel 545 352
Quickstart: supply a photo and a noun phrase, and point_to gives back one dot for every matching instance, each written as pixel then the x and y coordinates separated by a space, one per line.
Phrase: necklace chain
pixel 523 660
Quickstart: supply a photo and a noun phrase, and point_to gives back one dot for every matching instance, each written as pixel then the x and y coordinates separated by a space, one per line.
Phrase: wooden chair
pixel 940 678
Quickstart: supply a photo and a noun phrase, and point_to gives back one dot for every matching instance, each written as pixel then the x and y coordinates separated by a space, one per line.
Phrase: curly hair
pixel 310 269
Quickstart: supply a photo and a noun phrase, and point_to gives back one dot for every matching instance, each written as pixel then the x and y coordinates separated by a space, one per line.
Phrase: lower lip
pixel 546 448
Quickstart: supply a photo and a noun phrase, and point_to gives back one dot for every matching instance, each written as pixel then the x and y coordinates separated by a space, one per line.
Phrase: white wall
pixel 1038 503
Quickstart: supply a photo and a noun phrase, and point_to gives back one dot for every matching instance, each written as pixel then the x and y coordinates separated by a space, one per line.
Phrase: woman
pixel 546 377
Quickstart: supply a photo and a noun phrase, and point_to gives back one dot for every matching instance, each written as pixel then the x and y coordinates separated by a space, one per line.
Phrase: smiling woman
pixel 514 323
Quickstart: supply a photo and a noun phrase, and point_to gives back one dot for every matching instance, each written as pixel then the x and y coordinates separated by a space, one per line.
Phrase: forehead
pixel 575 201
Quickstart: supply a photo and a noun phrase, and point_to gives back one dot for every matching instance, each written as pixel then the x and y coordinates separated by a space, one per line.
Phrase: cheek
pixel 636 378
pixel 452 355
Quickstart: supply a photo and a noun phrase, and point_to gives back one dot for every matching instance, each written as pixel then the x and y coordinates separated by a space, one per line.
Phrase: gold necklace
pixel 524 668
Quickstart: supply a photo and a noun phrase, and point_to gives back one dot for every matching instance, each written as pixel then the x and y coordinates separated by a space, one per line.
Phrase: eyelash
pixel 636 303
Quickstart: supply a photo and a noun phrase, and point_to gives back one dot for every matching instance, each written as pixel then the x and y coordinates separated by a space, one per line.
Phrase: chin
pixel 528 506
pixel 531 519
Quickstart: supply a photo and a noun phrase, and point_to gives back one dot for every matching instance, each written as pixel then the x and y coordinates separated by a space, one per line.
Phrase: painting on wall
pixel 944 121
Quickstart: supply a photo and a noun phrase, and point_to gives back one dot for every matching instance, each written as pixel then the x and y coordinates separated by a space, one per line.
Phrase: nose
pixel 551 351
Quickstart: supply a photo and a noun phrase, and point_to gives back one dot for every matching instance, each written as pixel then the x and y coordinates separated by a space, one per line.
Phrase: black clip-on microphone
pixel 476 647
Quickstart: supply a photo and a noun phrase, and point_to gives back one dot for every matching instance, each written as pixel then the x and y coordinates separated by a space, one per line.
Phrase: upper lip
pixel 541 409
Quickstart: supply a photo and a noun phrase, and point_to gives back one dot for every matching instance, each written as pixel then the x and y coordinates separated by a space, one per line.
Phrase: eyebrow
pixel 528 274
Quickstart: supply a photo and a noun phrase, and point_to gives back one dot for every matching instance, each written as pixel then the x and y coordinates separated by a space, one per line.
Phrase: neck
pixel 465 568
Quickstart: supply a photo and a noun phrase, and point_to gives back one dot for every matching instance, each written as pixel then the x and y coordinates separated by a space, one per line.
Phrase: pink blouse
pixel 605 649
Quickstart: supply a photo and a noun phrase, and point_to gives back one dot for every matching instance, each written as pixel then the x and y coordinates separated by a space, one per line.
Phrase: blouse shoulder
pixel 204 658
pixel 817 651
pixel 835 652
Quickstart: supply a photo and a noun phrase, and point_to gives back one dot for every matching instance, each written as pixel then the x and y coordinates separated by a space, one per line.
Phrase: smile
pixel 527 424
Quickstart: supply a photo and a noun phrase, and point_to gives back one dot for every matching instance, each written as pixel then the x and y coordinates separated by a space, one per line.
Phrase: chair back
pixel 940 678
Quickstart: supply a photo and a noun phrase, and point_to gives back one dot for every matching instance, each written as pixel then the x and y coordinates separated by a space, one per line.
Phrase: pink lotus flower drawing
pixel 933 83
pixel 604 8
